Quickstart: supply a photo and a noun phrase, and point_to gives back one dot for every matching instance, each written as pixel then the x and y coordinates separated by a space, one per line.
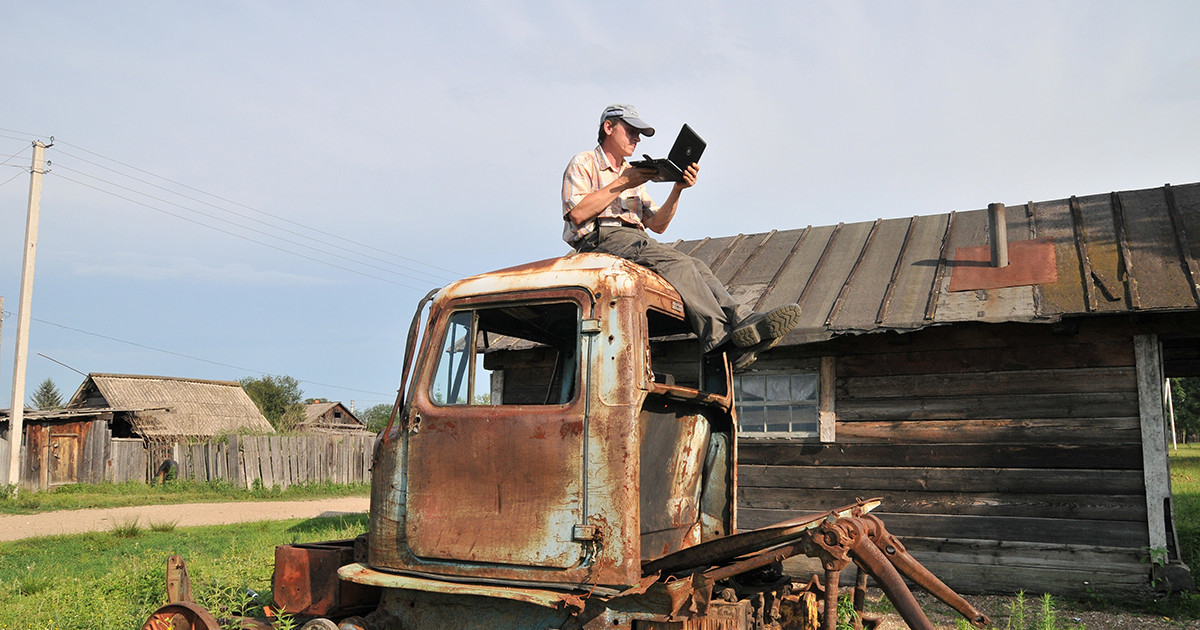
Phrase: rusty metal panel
pixel 1104 254
pixel 772 256
pixel 496 483
pixel 673 451
pixel 770 259
pixel 710 250
pixel 1003 304
pixel 1030 262
pixel 1187 201
pixel 305 580
pixel 905 307
pixel 860 305
pixel 830 274
pixel 788 281
pixel 1155 251
pixel 511 496
pixel 1053 221
pixel 741 251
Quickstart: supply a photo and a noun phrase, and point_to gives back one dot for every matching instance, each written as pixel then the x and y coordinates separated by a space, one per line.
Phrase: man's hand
pixel 634 177
pixel 689 177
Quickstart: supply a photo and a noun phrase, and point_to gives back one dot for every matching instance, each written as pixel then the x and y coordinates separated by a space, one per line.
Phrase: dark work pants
pixel 709 308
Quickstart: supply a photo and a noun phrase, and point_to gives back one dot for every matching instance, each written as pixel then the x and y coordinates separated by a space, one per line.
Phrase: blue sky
pixel 240 188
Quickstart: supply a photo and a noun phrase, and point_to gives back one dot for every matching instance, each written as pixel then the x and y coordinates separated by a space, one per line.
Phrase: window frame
pixel 474 305
pixel 824 371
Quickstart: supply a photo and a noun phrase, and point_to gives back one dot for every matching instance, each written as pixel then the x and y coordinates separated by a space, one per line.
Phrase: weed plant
pixel 105 495
pixel 100 581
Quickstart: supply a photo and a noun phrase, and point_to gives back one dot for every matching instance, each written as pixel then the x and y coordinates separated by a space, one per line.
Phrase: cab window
pixel 514 354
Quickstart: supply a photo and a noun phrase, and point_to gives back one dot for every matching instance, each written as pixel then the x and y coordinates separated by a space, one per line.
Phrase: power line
pixel 15 155
pixel 235 235
pixel 187 356
pixel 324 234
pixel 241 205
pixel 237 214
pixel 19 173
pixel 216 218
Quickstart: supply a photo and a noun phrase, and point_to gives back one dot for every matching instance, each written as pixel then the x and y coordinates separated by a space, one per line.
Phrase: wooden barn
pixel 72 444
pixel 330 417
pixel 1010 417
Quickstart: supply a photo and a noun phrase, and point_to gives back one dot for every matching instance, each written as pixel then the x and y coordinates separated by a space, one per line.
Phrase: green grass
pixel 1185 488
pixel 114 580
pixel 78 496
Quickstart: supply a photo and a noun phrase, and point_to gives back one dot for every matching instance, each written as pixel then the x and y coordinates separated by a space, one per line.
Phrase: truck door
pixel 497 443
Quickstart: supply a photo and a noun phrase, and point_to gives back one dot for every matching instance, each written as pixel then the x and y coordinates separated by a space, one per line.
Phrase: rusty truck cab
pixel 545 440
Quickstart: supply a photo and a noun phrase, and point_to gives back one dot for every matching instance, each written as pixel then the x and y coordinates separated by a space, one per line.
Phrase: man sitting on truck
pixel 606 209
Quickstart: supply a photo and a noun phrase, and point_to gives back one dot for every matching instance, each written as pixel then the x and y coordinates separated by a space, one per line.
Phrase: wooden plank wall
pixel 1008 457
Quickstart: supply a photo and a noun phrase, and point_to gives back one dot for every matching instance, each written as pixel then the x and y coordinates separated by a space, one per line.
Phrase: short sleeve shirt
pixel 590 171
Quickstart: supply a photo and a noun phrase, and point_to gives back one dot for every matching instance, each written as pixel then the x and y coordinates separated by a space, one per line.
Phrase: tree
pixel 46 396
pixel 1185 397
pixel 278 398
pixel 376 417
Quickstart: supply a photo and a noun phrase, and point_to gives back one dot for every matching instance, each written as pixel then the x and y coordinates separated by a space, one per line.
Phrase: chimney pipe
pixel 998 234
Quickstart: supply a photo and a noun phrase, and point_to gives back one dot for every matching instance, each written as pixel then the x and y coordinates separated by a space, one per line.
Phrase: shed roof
pixel 174 406
pixel 313 412
pixel 1128 251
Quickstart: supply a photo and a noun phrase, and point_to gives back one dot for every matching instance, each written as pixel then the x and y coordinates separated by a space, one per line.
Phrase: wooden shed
pixel 1010 418
pixel 60 446
pixel 330 417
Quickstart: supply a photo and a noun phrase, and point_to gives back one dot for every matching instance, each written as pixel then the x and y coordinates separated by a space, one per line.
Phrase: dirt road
pixel 16 527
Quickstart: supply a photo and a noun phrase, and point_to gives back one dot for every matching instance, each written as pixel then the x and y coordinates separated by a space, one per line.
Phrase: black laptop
pixel 687 149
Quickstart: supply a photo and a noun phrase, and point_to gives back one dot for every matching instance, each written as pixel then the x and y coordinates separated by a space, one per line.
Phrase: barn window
pixel 778 403
pixel 792 403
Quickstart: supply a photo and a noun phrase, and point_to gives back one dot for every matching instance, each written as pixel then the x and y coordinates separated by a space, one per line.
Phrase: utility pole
pixel 15 429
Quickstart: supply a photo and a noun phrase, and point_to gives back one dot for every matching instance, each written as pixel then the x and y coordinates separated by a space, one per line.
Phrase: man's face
pixel 622 139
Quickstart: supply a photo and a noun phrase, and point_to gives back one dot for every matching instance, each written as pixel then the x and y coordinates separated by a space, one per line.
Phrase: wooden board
pixel 1102 507
pixel 1012 382
pixel 961 455
pixel 1085 405
pixel 1093 431
pixel 868 480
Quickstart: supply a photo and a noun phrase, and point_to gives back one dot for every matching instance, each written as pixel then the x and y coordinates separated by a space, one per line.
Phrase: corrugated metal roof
pixel 186 407
pixel 1119 252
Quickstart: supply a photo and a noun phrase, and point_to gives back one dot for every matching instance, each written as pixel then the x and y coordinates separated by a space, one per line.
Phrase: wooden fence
pixel 243 460
pixel 271 460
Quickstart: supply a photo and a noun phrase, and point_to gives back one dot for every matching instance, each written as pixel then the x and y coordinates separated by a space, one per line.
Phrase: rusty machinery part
pixel 899 557
pixel 866 542
pixel 181 616
pixel 838 539
pixel 354 623
pixel 179 585
pixel 319 623
pixel 728 548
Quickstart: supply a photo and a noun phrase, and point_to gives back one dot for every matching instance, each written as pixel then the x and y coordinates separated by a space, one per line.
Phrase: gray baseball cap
pixel 630 115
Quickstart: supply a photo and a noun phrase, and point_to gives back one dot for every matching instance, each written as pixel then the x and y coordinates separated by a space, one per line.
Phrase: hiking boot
pixel 765 326
pixel 741 358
